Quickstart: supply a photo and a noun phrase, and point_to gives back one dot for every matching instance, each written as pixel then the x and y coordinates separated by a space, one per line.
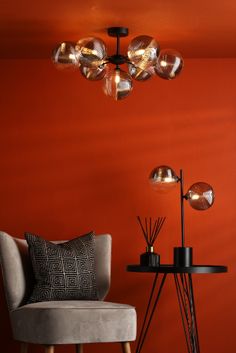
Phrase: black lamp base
pixel 183 256
pixel 150 259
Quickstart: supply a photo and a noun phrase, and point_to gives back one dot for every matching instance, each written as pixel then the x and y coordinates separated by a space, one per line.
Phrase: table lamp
pixel 200 196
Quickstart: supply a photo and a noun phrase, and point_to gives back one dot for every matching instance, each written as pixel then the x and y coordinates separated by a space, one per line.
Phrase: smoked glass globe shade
pixel 92 52
pixel 200 196
pixel 143 51
pixel 169 64
pixel 163 178
pixel 139 74
pixel 93 74
pixel 117 84
pixel 65 56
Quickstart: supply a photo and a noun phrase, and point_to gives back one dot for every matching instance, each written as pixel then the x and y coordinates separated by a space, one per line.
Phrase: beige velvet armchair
pixel 63 322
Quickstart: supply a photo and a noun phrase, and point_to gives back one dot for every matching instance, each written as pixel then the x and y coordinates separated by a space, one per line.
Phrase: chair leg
pixel 79 348
pixel 49 349
pixel 126 347
pixel 23 347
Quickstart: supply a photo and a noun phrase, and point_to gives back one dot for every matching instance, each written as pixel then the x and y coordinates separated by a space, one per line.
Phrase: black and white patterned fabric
pixel 64 271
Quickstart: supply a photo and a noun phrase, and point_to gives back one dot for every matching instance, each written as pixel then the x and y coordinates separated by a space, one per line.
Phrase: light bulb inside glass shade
pixel 65 56
pixel 117 84
pixel 139 74
pixel 93 74
pixel 200 196
pixel 163 178
pixel 92 51
pixel 143 51
pixel 169 64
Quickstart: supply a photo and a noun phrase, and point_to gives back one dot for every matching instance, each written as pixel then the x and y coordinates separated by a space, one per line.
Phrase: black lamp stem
pixel 182 255
pixel 117 44
pixel 181 179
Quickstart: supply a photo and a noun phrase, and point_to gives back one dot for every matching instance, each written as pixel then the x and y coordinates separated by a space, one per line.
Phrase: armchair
pixel 52 323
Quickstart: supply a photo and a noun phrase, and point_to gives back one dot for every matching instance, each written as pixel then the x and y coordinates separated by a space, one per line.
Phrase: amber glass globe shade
pixel 200 196
pixel 139 74
pixel 169 64
pixel 65 56
pixel 93 74
pixel 92 51
pixel 143 51
pixel 117 84
pixel 163 178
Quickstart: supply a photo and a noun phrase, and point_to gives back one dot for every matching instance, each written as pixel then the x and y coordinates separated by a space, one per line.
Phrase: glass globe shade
pixel 117 84
pixel 143 51
pixel 92 51
pixel 200 196
pixel 65 56
pixel 93 74
pixel 163 178
pixel 139 74
pixel 169 64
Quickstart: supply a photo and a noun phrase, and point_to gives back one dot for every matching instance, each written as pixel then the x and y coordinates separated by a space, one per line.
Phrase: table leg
pixel 149 312
pixel 184 288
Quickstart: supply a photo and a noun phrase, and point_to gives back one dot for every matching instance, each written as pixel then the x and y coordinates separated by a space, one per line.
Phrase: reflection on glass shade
pixel 169 64
pixel 93 74
pixel 143 51
pixel 139 74
pixel 65 56
pixel 117 84
pixel 200 196
pixel 92 51
pixel 163 178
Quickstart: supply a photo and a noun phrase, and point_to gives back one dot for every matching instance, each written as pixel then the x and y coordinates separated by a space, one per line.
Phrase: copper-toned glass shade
pixel 93 74
pixel 117 84
pixel 200 196
pixel 169 64
pixel 143 51
pixel 139 74
pixel 163 178
pixel 92 52
pixel 65 56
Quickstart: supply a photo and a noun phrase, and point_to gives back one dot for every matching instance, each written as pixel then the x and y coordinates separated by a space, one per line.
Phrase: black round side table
pixel 185 294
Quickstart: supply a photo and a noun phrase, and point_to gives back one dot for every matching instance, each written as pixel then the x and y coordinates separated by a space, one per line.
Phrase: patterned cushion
pixel 64 271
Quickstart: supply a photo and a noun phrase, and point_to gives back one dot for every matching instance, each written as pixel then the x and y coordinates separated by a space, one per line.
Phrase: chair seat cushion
pixel 69 322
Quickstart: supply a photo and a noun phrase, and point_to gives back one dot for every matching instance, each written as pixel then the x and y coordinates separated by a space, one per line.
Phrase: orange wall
pixel 73 160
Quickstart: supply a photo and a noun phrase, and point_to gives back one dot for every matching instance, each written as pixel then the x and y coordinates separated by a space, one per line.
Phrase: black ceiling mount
pixel 117 31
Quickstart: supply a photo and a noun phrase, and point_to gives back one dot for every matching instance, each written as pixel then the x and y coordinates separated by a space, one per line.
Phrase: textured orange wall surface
pixel 73 160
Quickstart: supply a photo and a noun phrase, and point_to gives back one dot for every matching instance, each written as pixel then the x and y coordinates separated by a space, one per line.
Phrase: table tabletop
pixel 165 268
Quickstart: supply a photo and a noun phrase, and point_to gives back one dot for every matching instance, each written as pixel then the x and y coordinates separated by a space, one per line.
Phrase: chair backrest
pixel 18 275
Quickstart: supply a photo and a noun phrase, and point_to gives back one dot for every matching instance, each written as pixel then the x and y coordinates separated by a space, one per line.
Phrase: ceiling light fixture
pixel 144 59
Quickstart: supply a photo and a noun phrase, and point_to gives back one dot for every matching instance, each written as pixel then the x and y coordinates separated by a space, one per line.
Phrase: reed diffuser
pixel 151 229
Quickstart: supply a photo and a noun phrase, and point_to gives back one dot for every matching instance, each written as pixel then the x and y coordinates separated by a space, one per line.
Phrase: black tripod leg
pixel 149 315
pixel 184 288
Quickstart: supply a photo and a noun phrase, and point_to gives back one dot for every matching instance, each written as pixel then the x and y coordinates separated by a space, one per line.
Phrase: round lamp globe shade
pixel 169 64
pixel 200 196
pixel 163 178
pixel 93 74
pixel 143 51
pixel 92 51
pixel 117 84
pixel 65 57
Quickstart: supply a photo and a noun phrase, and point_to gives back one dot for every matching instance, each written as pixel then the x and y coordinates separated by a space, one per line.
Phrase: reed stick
pixel 151 228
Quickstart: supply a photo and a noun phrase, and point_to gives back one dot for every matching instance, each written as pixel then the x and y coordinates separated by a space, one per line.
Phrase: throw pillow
pixel 64 271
